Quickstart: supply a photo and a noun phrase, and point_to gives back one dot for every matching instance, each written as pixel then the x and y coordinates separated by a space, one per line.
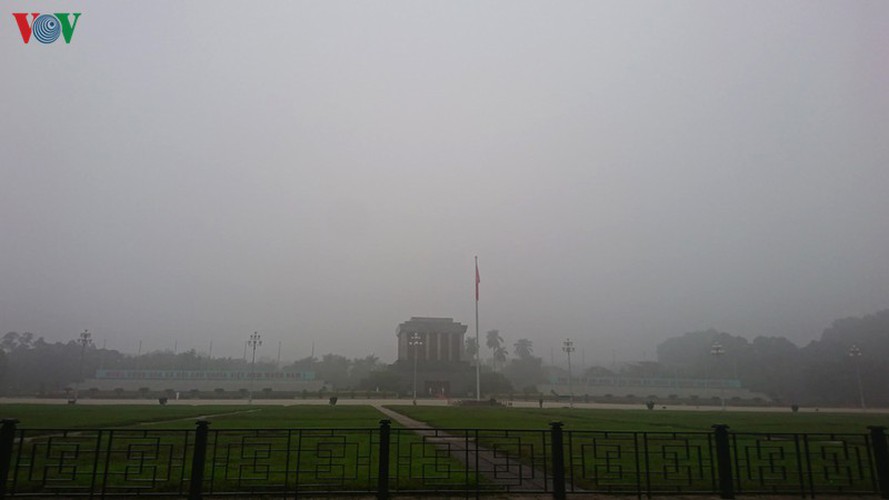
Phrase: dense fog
pixel 181 175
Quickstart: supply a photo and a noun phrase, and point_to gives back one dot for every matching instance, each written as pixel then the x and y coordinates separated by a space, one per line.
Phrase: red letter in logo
pixel 24 26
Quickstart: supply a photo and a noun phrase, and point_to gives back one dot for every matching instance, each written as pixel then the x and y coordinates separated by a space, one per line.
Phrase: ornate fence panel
pixel 282 461
pixel 385 460
pixel 469 460
pixel 115 462
pixel 640 462
pixel 803 464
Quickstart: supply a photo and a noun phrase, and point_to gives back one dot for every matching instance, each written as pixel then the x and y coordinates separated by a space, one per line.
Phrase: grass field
pixel 641 420
pixel 321 448
pixel 316 416
pixel 183 417
pixel 251 448
pixel 608 448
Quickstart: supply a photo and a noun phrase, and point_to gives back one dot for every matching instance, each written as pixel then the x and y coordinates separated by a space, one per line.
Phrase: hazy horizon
pixel 322 171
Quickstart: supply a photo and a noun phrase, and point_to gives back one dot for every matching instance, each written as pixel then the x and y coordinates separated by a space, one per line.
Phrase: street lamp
pixel 716 351
pixel 568 347
pixel 255 340
pixel 855 355
pixel 84 340
pixel 415 342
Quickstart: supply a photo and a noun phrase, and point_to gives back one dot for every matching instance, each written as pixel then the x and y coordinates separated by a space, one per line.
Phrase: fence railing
pixel 386 461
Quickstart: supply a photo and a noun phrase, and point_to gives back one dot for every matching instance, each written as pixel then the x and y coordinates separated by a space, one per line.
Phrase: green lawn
pixel 317 416
pixel 286 417
pixel 608 450
pixel 256 449
pixel 183 417
pixel 642 420
pixel 87 417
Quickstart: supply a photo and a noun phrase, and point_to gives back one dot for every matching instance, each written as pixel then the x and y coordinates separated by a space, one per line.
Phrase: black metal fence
pixel 386 461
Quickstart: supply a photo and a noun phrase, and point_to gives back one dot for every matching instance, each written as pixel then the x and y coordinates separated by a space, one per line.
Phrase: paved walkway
pixel 497 468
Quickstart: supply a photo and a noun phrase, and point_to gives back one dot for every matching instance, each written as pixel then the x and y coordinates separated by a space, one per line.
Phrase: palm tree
pixel 493 341
pixel 500 356
pixel 523 348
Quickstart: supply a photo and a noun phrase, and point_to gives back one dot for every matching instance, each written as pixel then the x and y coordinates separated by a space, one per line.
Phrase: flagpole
pixel 478 349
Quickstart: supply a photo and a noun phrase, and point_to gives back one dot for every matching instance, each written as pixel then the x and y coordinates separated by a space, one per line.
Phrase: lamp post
pixel 255 340
pixel 855 355
pixel 84 340
pixel 716 351
pixel 568 347
pixel 415 342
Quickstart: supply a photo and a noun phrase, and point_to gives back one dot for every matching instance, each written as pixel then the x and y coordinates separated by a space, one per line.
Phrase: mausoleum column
pixel 426 342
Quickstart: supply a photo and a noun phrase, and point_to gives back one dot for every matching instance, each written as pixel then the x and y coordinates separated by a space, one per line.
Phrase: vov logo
pixel 46 28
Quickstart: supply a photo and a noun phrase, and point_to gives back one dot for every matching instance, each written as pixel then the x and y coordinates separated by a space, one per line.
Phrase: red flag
pixel 477 279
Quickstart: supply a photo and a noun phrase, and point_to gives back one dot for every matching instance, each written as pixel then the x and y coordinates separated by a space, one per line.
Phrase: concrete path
pixel 496 468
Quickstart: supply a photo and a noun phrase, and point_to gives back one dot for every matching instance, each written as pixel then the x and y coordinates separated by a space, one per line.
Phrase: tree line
pixel 825 372
pixel 24 363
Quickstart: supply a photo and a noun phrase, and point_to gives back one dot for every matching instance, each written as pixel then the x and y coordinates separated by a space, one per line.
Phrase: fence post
pixel 724 461
pixel 7 438
pixel 558 454
pixel 199 460
pixel 383 472
pixel 881 458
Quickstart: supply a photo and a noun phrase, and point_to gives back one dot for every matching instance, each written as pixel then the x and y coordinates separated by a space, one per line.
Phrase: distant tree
pixel 821 373
pixel 306 364
pixel 500 354
pixel 334 370
pixel 13 340
pixel 188 360
pixel 9 341
pixel 471 348
pixel 871 330
pixel 774 367
pixel 524 372
pixel 493 340
pixel 27 362
pixel 361 368
pixel 523 348
pixel 830 372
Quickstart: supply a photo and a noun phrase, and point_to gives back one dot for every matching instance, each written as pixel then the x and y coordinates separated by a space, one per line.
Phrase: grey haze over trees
pixel 525 370
pixel 820 373
pixel 498 352
pixel 523 348
pixel 500 355
pixel 24 361
pixel 28 360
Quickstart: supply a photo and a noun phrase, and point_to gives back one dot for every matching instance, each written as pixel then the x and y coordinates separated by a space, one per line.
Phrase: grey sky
pixel 321 171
